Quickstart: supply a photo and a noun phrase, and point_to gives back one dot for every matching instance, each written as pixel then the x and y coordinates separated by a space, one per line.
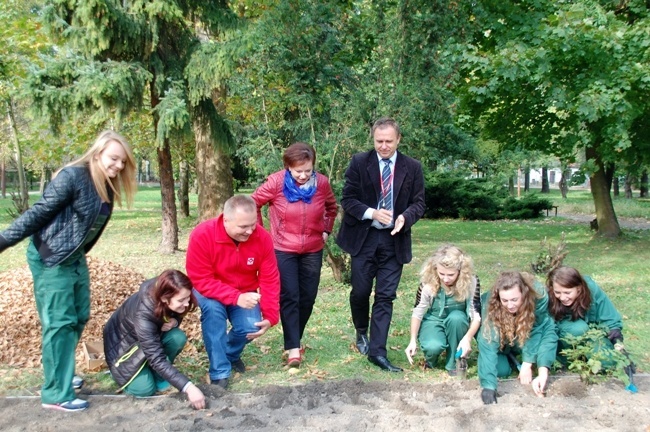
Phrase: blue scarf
pixel 294 193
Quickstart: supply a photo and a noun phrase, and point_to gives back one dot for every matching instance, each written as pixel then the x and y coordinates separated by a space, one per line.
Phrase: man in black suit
pixel 382 198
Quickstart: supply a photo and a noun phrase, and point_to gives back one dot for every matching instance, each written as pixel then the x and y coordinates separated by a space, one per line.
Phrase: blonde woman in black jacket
pixel 142 338
pixel 64 225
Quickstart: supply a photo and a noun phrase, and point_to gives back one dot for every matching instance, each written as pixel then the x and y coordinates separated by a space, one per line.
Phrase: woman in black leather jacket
pixel 64 225
pixel 142 338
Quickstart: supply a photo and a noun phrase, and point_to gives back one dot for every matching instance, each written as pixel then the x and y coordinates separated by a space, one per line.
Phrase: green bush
pixel 528 207
pixel 450 195
pixel 590 358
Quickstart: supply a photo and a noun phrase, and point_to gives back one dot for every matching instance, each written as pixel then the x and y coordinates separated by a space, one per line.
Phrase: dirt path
pixel 356 406
pixel 629 223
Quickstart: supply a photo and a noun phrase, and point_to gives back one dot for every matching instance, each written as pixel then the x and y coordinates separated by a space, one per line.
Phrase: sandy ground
pixel 353 405
pixel 452 405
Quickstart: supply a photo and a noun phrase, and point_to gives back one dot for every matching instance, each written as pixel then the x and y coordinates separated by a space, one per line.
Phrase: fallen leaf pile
pixel 110 285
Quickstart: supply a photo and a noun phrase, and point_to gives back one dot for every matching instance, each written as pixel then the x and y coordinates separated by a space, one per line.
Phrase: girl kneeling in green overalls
pixel 575 302
pixel 516 321
pixel 447 311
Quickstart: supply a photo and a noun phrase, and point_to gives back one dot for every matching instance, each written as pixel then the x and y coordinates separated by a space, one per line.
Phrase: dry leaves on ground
pixel 110 285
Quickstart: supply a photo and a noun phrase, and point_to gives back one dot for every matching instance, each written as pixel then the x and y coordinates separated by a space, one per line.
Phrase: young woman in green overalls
pixel 515 322
pixel 575 303
pixel 64 225
pixel 447 311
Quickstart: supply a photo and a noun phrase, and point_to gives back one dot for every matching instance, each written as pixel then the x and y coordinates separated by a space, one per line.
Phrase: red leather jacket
pixel 297 227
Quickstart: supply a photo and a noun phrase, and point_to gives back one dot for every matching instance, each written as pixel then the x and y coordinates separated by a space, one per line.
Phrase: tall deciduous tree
pixel 22 43
pixel 296 68
pixel 562 76
pixel 118 52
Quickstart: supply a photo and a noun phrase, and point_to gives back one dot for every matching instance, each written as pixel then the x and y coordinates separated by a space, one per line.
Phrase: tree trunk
pixel 213 173
pixel 511 185
pixel 600 186
pixel 545 186
pixel 21 202
pixel 564 182
pixel 3 179
pixel 184 188
pixel 527 178
pixel 213 164
pixel 47 178
pixel 628 186
pixel 643 184
pixel 610 169
pixel 169 241
pixel 339 262
pixel 616 187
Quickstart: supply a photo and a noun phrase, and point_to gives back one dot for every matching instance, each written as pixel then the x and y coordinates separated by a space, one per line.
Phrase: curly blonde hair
pixel 449 257
pixel 510 328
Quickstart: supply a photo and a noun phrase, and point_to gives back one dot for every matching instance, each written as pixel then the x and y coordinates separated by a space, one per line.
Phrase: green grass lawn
pixel 619 266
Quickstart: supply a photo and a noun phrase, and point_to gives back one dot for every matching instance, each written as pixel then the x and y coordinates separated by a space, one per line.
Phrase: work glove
pixel 489 396
pixel 615 336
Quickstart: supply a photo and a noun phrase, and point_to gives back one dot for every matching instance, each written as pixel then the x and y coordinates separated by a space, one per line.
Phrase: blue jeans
pixel 225 347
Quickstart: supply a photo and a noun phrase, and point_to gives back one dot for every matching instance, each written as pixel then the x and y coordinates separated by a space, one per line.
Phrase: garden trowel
pixel 461 364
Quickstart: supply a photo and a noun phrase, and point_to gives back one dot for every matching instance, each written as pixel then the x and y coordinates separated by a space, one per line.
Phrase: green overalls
pixel 442 329
pixel 62 296
pixel 146 382
pixel 601 311
pixel 540 348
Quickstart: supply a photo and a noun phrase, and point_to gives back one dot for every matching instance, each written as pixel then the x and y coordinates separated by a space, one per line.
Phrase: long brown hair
pixel 123 181
pixel 568 277
pixel 512 328
pixel 168 284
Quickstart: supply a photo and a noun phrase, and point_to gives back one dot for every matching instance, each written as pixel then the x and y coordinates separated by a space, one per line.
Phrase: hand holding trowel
pixel 461 364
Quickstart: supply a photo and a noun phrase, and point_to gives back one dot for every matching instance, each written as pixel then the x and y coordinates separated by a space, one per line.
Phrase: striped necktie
pixel 386 186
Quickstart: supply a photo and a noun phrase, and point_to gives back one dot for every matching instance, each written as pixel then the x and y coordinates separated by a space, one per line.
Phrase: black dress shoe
pixel 363 344
pixel 238 366
pixel 383 363
pixel 223 383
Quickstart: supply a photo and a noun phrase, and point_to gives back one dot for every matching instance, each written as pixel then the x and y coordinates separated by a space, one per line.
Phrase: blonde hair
pixel 510 328
pixel 123 181
pixel 450 257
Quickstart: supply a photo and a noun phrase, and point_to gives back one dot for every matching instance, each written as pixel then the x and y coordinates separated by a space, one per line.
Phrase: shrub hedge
pixel 453 196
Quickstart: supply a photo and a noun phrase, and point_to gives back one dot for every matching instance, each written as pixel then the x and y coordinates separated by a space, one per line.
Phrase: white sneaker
pixel 77 382
pixel 69 406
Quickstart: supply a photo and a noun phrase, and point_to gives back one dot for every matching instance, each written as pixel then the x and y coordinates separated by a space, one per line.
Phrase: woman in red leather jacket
pixel 302 209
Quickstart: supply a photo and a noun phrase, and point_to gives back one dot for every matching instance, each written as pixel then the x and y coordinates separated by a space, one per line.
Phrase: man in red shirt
pixel 231 263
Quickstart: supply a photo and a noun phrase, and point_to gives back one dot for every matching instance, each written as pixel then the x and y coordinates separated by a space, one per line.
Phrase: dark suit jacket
pixel 362 190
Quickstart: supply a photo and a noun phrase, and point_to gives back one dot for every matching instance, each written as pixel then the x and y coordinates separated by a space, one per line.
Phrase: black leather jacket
pixel 133 335
pixel 60 221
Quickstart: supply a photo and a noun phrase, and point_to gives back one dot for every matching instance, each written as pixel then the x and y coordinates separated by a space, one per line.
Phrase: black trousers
pixel 376 261
pixel 299 279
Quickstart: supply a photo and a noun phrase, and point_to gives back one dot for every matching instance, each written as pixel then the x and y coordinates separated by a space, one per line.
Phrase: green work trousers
pixel 146 382
pixel 443 333
pixel 504 369
pixel 578 328
pixel 62 297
